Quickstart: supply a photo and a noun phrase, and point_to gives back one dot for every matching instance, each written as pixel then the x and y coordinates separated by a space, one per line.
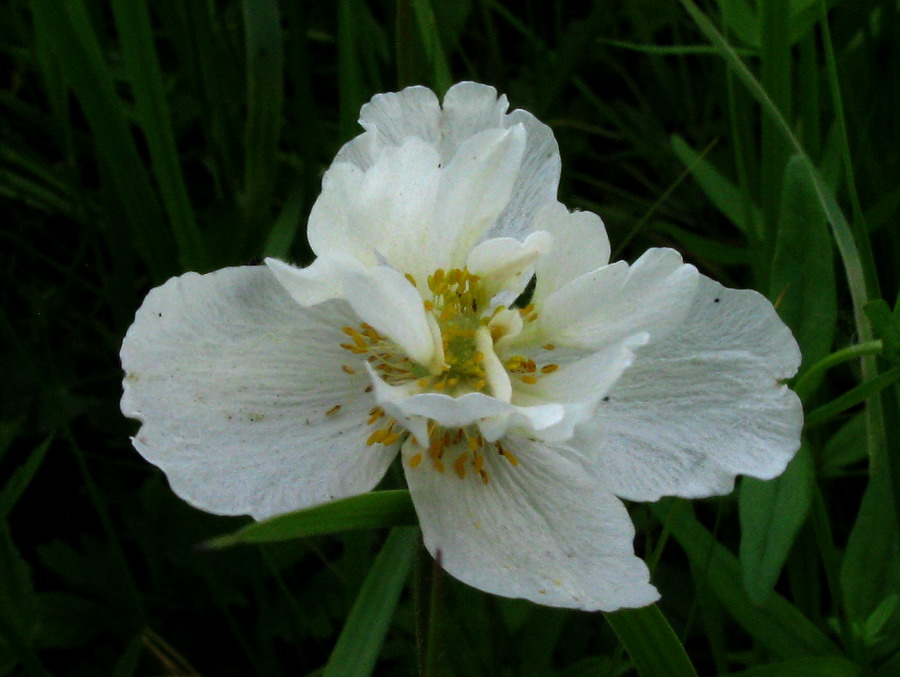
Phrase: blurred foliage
pixel 139 140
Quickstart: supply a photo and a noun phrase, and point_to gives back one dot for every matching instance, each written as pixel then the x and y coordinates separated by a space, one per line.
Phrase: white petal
pixel 318 282
pixel 468 109
pixel 391 118
pixel 385 299
pixel 334 228
pixel 233 382
pixel 505 264
pixel 653 295
pixel 702 406
pixel 580 245
pixel 474 190
pixel 396 199
pixel 537 181
pixel 588 378
pixel 543 530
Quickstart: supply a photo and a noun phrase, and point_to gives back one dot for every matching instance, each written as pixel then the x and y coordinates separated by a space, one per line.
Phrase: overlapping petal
pixel 242 396
pixel 704 405
pixel 541 530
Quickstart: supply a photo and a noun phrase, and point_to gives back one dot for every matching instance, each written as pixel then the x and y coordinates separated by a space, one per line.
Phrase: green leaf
pixel 431 41
pixel 734 204
pixel 852 397
pixel 71 36
pixel 18 605
pixel 887 327
pixel 817 666
pixel 846 447
pixel 870 573
pixel 136 40
pixel 357 648
pixel 265 61
pixel 771 514
pixel 376 509
pixel 776 624
pixel 650 641
pixel 802 278
pixel 21 478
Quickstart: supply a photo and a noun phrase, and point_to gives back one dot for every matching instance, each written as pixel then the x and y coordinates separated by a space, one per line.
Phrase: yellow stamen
pixel 459 465
pixel 414 461
pixel 548 346
pixel 529 379
pixel 411 279
pixel 347 369
pixel 335 409
pixel 549 368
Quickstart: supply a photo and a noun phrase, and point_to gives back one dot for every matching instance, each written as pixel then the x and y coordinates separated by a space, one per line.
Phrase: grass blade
pixel 265 63
pixel 356 651
pixel 366 511
pixel 71 36
pixel 776 624
pixel 650 641
pixel 771 514
pixel 136 40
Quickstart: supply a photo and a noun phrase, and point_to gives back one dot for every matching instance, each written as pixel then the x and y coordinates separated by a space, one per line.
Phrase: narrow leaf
pixel 21 478
pixel 776 624
pixel 802 280
pixel 650 641
pixel 771 514
pixel 817 666
pixel 356 651
pixel 727 198
pixel 367 511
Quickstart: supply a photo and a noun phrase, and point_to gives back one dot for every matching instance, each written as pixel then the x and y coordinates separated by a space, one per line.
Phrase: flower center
pixel 459 304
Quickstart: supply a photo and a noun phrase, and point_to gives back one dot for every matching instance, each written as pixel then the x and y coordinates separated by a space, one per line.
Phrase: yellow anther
pixel 374 416
pixel 474 442
pixel 548 346
pixel 411 279
pixel 508 455
pixel 424 382
pixel 478 462
pixel 335 409
pixel 459 465
pixel 484 476
pixel 529 379
pixel 414 461
pixel 530 366
pixel 429 306
pixel 390 439
pixel 376 437
pixel 438 463
pixel 347 369
pixel 526 310
pixel 549 368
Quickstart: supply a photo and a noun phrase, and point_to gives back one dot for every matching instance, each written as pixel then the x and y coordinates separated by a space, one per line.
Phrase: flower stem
pixel 428 585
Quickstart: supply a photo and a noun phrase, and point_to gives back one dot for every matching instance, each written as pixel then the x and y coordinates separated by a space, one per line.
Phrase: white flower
pixel 268 389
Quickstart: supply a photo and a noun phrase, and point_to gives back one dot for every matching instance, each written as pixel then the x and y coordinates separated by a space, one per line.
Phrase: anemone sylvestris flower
pixel 265 389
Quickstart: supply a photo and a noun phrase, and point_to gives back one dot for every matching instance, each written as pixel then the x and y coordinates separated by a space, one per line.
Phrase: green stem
pixel 804 384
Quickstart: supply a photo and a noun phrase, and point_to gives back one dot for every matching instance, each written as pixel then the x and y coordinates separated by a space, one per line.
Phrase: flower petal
pixel 580 245
pixel 242 396
pixel 537 181
pixel 505 264
pixel 385 299
pixel 703 405
pixel 475 188
pixel 616 301
pixel 391 118
pixel 318 282
pixel 542 530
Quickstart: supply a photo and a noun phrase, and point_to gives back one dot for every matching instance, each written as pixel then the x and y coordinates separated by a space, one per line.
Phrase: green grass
pixel 142 139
